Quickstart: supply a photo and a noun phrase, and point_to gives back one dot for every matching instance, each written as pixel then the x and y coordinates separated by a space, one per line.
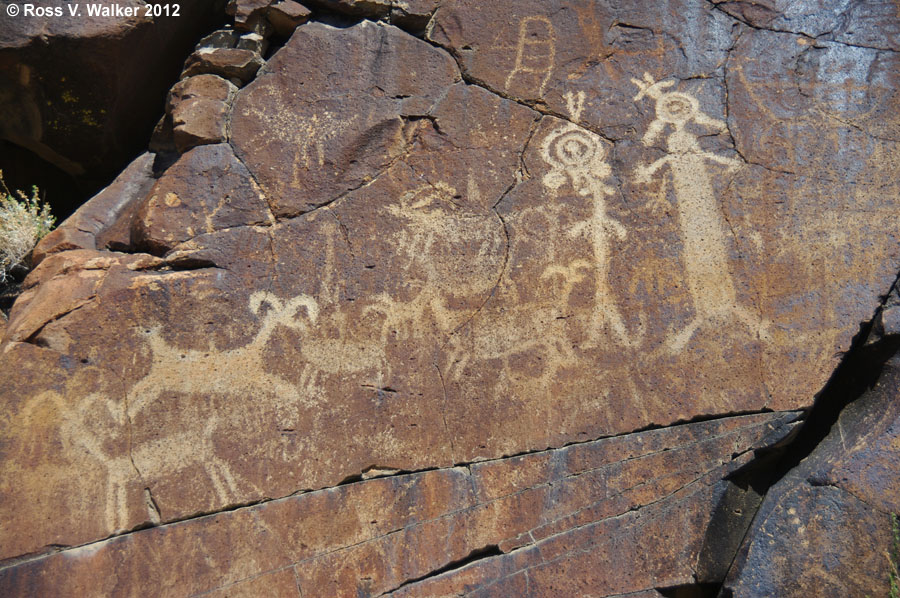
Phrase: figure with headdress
pixel 578 157
pixel 703 228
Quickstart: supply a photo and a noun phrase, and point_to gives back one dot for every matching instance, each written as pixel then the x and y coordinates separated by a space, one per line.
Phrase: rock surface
pixel 543 225
pixel 69 85
pixel 531 511
pixel 105 221
pixel 827 524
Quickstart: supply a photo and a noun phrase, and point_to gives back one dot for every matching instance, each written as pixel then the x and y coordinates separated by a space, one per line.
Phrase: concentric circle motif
pixel 575 148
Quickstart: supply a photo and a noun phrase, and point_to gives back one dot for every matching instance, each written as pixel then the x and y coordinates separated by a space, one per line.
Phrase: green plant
pixel 24 221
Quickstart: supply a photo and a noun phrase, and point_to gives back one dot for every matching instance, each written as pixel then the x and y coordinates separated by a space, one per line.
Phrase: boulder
pixel 372 9
pixel 198 108
pixel 828 524
pixel 68 86
pixel 287 15
pixel 103 222
pixel 230 63
pixel 206 190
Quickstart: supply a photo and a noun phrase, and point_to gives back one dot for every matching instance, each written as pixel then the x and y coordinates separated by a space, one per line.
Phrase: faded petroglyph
pixel 239 371
pixel 309 136
pixel 235 372
pixel 512 332
pixel 578 156
pixel 436 222
pixel 332 349
pixel 95 424
pixel 703 228
pixel 535 53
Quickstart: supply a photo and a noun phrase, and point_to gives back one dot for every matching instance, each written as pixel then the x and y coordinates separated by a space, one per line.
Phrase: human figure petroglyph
pixel 703 227
pixel 578 156
pixel 535 51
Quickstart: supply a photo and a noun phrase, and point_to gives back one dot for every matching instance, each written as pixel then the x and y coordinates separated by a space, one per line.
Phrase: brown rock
pixel 198 107
pixel 447 277
pixel 199 121
pixel 371 9
pixel 367 538
pixel 287 15
pixel 221 38
pixel 63 98
pixel 246 11
pixel 413 15
pixel 208 189
pixel 63 283
pixel 875 25
pixel 226 62
pixel 253 42
pixel 827 524
pixel 210 87
pixel 104 221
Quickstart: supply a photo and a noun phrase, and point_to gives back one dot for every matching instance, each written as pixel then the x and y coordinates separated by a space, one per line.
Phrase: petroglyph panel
pixel 308 149
pixel 344 542
pixel 411 271
pixel 206 190
pixel 578 155
pixel 535 54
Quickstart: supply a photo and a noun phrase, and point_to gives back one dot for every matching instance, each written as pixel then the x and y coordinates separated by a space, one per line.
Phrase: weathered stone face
pixel 535 508
pixel 828 523
pixel 81 93
pixel 591 222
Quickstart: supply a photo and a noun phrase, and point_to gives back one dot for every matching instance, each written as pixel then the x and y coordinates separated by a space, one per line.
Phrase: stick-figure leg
pixel 677 344
pixel 753 322
pixel 606 315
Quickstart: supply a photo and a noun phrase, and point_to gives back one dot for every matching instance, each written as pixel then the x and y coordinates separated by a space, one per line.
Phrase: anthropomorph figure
pixel 535 53
pixel 703 229
pixel 578 156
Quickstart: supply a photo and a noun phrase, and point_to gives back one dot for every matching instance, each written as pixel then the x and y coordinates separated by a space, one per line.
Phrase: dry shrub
pixel 24 221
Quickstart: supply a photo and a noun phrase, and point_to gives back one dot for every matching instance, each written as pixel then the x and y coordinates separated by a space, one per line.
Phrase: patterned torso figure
pixel 578 156
pixel 703 228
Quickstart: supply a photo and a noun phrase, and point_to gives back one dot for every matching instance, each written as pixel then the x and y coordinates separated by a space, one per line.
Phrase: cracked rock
pixel 487 258
pixel 81 94
pixel 571 518
pixel 207 189
pixel 827 524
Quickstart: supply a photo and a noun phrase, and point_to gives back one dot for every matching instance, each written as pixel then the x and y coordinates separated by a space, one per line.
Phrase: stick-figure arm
pixel 645 172
pixel 724 160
